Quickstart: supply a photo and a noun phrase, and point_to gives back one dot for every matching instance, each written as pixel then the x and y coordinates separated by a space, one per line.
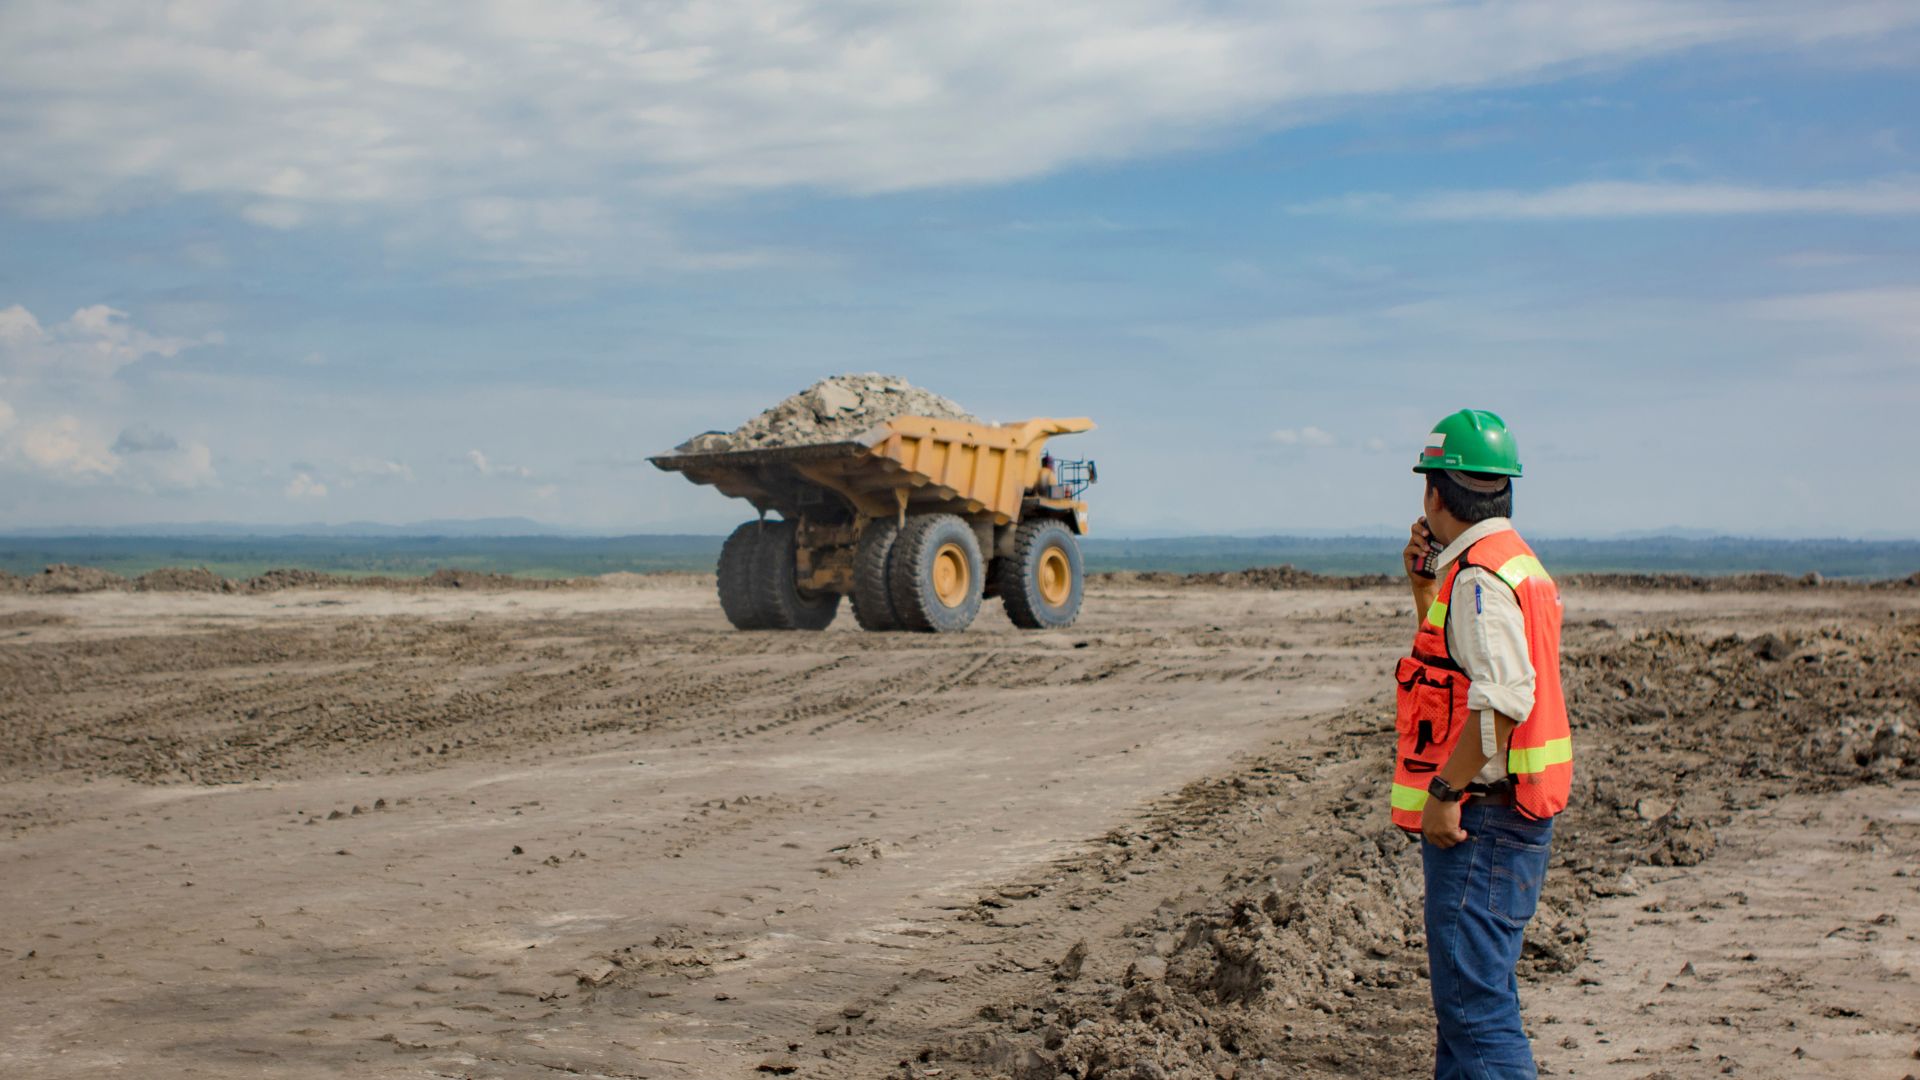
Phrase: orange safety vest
pixel 1431 703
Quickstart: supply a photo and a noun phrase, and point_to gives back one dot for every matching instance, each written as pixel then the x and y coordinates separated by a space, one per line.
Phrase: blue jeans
pixel 1480 894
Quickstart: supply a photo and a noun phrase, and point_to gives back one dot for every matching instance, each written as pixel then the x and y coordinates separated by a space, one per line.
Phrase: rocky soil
pixel 1310 964
pixel 832 410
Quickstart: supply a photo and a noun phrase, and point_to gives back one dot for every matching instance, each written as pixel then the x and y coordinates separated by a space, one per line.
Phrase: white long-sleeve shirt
pixel 1487 637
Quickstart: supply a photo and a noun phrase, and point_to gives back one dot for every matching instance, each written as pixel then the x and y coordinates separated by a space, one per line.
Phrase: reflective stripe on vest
pixel 1409 798
pixel 1520 568
pixel 1534 759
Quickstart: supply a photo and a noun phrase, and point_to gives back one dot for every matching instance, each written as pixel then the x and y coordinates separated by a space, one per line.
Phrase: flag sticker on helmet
pixel 1436 444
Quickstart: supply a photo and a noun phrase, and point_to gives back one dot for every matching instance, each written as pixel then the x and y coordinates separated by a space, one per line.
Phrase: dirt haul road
pixel 592 831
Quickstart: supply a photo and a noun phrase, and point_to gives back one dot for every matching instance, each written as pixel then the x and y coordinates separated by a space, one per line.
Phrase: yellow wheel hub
pixel 952 576
pixel 1055 577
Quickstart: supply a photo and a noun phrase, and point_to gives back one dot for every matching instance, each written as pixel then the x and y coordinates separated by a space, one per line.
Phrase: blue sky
pixel 480 260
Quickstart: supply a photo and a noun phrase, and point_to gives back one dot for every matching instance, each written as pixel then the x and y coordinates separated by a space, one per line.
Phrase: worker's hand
pixel 1440 823
pixel 1425 589
pixel 1415 553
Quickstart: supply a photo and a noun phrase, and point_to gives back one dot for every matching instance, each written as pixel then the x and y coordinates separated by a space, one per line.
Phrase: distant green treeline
pixel 556 557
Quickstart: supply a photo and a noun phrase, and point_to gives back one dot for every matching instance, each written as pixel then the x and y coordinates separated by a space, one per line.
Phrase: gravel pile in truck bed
pixel 832 410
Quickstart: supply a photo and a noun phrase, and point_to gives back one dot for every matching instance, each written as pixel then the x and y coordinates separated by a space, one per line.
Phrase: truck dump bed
pixel 910 464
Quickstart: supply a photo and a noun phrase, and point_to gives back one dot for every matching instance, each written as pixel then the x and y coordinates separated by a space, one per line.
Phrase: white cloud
pixel 1306 436
pixel 93 343
pixel 68 448
pixel 360 103
pixel 503 219
pixel 304 486
pixel 18 327
pixel 1891 313
pixel 1376 445
pixel 60 378
pixel 1618 199
pixel 149 459
pixel 73 450
pixel 488 468
pixel 380 469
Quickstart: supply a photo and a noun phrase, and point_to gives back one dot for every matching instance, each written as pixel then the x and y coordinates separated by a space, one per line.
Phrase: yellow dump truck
pixel 918 520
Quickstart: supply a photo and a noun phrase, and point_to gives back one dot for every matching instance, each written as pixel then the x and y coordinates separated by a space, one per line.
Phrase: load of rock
pixel 832 410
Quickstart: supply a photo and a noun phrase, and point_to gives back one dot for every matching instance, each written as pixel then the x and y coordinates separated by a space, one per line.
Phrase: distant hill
pixel 550 556
pixel 1653 554
pixel 397 556
pixel 490 527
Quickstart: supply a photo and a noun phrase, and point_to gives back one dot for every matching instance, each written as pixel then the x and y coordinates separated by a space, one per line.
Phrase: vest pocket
pixel 1406 704
pixel 1433 705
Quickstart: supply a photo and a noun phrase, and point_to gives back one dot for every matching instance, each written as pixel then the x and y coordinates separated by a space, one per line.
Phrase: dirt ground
pixel 593 831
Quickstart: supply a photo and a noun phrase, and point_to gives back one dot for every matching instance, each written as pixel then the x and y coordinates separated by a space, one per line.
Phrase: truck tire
pixel 872 578
pixel 937 573
pixel 739 559
pixel 777 597
pixel 1044 581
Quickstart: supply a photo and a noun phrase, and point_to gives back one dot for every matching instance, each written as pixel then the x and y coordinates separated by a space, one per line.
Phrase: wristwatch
pixel 1444 791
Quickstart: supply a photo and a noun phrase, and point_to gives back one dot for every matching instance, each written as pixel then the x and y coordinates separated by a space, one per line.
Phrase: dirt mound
pixel 832 410
pixel 67 578
pixel 10 582
pixel 1727 582
pixel 1284 576
pixel 659 579
pixel 182 579
pixel 292 578
pixel 480 579
pixel 1314 964
pixel 446 578
pixel 1288 576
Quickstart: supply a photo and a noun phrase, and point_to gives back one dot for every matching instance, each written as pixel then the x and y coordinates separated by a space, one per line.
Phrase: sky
pixel 372 262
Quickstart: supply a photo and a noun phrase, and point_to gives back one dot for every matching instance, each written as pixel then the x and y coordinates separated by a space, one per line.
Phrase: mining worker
pixel 1049 484
pixel 1484 758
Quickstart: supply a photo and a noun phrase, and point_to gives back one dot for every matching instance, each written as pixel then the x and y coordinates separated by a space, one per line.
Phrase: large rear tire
pixel 872 577
pixel 739 559
pixel 937 574
pixel 777 596
pixel 1044 581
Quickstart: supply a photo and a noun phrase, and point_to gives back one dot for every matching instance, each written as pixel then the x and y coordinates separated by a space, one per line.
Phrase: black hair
pixel 1471 506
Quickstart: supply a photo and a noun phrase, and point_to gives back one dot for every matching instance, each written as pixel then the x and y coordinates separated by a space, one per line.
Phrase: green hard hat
pixel 1471 440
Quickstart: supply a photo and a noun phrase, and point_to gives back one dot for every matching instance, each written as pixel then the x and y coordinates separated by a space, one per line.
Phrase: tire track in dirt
pixel 629 805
